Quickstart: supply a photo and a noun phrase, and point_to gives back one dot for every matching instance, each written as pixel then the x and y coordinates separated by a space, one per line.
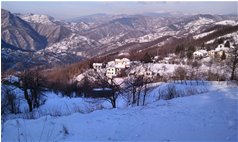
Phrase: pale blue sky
pixel 67 10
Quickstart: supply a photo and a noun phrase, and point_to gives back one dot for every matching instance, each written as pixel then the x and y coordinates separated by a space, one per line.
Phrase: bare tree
pixel 32 80
pixel 146 81
pixel 195 66
pixel 131 88
pixel 84 87
pixel 134 86
pixel 115 90
pixel 110 83
pixel 233 60
pixel 181 73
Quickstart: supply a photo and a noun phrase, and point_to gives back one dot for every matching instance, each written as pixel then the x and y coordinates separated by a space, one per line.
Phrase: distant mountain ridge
pixel 59 42
pixel 19 33
pixel 48 27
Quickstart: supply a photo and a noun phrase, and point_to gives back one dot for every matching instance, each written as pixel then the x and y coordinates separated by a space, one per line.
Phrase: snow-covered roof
pixel 122 60
pixel 124 53
pixel 111 67
pixel 221 47
pixel 110 63
pixel 203 52
pixel 167 58
pixel 97 64
pixel 79 77
pixel 156 57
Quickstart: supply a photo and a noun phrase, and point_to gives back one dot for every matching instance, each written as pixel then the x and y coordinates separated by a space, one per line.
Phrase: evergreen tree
pixel 179 49
pixel 203 45
pixel 189 54
pixel 191 48
pixel 227 44
pixel 208 48
pixel 220 40
pixel 190 51
pixel 146 58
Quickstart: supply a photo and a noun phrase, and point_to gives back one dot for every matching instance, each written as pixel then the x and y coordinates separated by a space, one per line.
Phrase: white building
pixel 200 53
pixel 149 73
pixel 221 47
pixel 219 51
pixel 112 71
pixel 97 66
pixel 143 71
pixel 212 53
pixel 122 63
pixel 113 67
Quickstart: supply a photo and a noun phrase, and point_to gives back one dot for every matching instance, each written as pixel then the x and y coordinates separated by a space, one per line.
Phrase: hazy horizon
pixel 67 10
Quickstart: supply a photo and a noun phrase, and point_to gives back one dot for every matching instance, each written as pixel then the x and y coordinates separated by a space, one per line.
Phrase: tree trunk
pixel 144 99
pixel 233 71
pixel 114 102
pixel 133 95
pixel 145 93
pixel 138 98
pixel 29 102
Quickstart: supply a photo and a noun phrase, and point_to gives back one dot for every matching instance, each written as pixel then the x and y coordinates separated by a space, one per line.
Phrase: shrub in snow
pixel 9 103
pixel 169 92
pixel 65 130
pixel 192 91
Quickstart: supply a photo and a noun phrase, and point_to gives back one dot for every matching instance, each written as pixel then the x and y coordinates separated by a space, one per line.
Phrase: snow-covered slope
pixel 233 36
pixel 18 33
pixel 39 18
pixel 74 44
pixel 195 25
pixel 210 116
pixel 203 34
pixel 227 22
pixel 77 27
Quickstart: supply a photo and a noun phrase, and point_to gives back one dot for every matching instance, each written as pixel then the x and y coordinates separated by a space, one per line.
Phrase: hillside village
pixel 157 76
pixel 122 66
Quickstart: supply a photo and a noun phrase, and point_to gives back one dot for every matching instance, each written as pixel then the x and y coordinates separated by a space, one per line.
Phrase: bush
pixel 168 93
pixel 10 102
pixel 65 130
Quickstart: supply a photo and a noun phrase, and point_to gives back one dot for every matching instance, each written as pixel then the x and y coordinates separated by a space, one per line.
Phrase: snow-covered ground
pixel 208 116
pixel 197 24
pixel 73 43
pixel 162 69
pixel 227 22
pixel 203 34
pixel 233 36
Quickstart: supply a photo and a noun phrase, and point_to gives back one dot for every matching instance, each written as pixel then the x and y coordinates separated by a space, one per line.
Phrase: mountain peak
pixel 39 19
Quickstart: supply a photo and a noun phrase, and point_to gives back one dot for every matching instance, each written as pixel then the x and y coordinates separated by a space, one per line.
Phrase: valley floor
pixel 210 116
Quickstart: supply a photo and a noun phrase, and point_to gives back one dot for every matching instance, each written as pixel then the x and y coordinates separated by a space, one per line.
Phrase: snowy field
pixel 210 115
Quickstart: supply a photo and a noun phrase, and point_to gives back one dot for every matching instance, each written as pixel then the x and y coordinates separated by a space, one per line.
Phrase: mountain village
pixel 157 76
